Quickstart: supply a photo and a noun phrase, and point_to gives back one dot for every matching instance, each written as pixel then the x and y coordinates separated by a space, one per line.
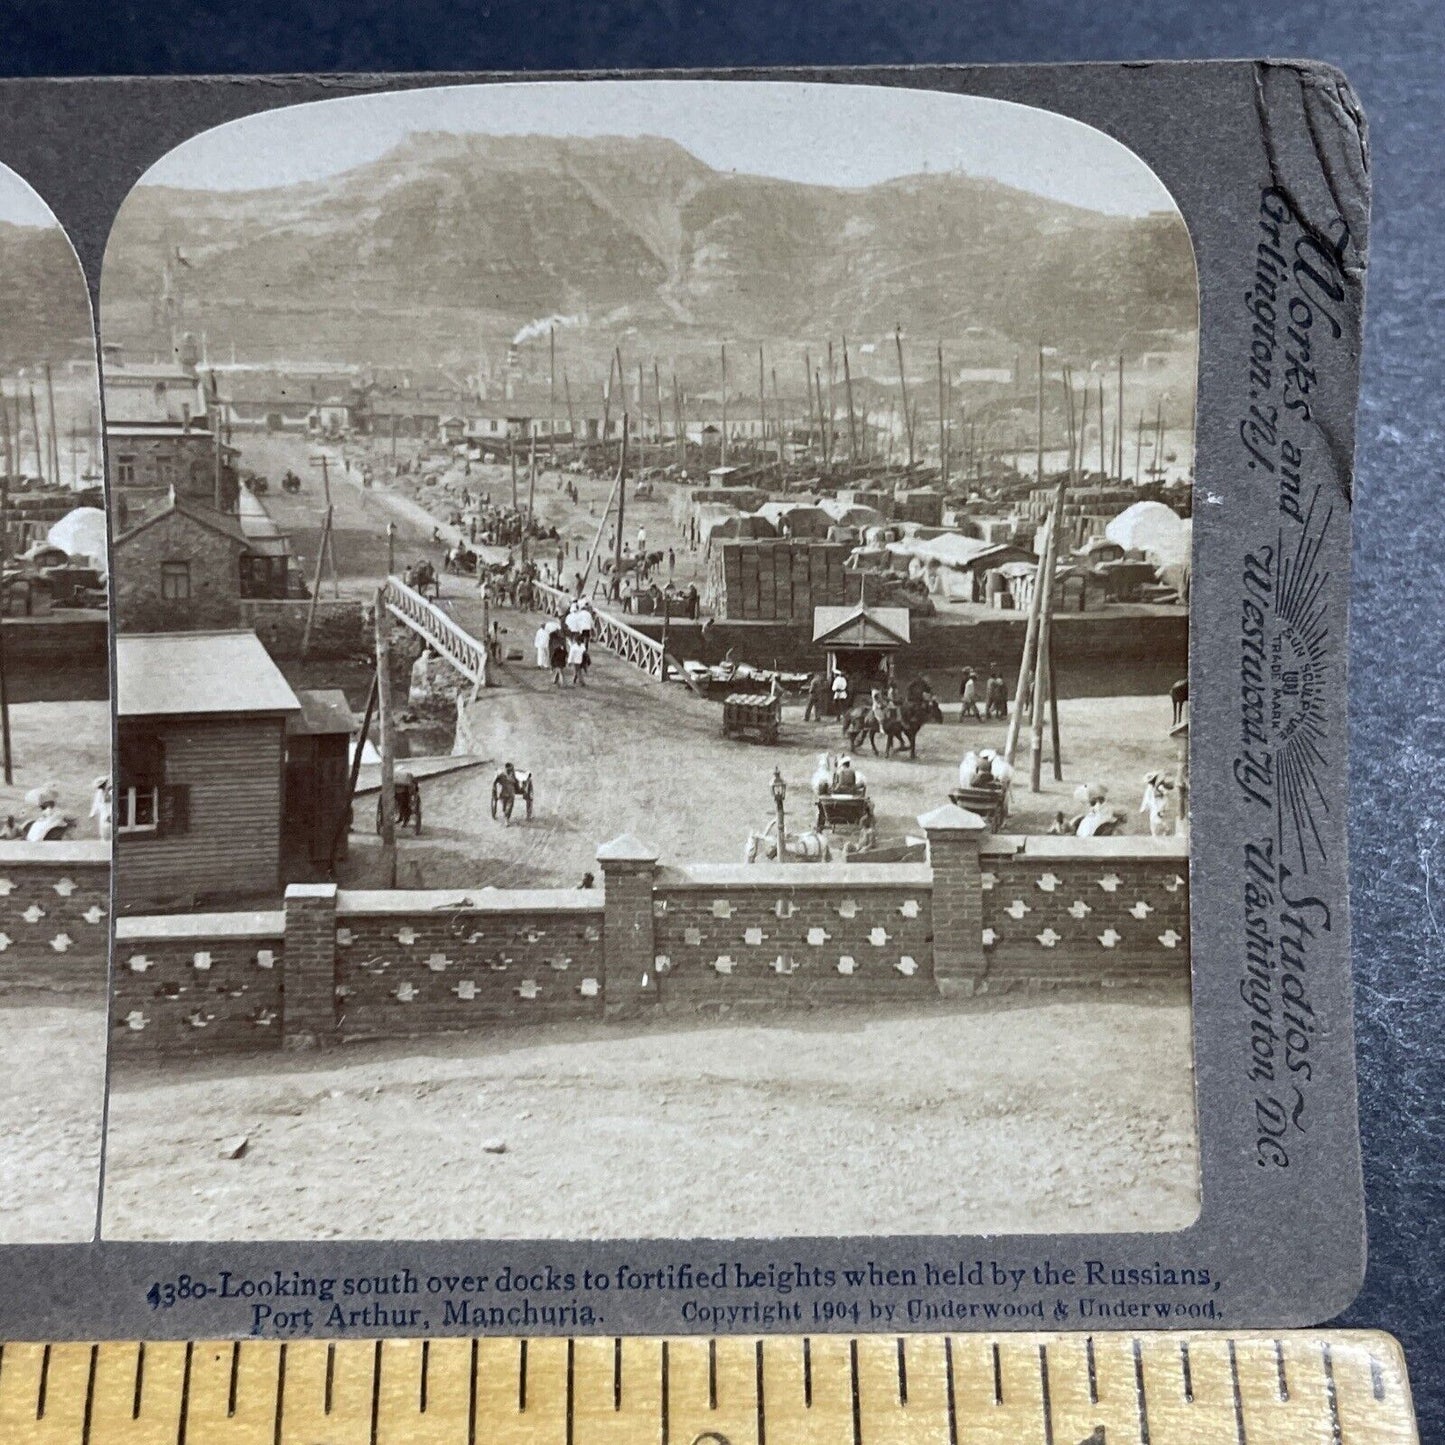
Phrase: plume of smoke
pixel 542 325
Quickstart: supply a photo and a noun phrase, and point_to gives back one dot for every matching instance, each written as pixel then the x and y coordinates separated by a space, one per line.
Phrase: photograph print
pixel 55 795
pixel 652 648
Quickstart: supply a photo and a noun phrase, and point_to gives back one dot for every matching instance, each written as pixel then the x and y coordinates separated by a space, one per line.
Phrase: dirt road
pixel 1064 1113
pixel 52 1092
pixel 628 754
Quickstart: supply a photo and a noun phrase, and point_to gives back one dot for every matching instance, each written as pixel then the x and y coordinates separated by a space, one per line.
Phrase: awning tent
pixel 81 533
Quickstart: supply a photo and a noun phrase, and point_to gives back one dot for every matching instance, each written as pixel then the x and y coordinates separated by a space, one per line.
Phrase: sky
pixel 834 135
pixel 19 204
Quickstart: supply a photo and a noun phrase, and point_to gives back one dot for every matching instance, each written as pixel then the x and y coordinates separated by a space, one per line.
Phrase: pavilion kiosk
pixel 861 642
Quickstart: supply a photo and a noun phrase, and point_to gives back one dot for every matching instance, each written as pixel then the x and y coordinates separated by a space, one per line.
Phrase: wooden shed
pixel 318 774
pixel 200 785
pixel 861 642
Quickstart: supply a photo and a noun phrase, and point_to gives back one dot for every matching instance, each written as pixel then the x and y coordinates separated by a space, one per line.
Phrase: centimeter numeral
pixel 1337 1388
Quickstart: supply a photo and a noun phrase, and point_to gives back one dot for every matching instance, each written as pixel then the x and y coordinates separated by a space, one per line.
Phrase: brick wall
pixel 54 916
pixel 1084 910
pixel 792 934
pixel 198 981
pixel 987 914
pixel 416 963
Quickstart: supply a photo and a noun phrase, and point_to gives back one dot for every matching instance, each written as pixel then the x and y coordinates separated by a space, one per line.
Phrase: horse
pixel 901 725
pixel 809 847
pixel 861 722
pixel 1179 696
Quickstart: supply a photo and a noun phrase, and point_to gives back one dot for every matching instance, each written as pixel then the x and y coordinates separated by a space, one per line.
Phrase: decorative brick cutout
pixel 33 914
pixel 406 935
pixel 1079 909
pixel 201 962
pixel 818 936
pixel 721 908
pixel 1049 881
pixel 94 913
pixel 753 936
pixel 1170 939
pixel 692 937
pixel 138 963
pixel 987 880
pixel 1141 909
pixel 345 937
pixel 1109 937
pixel 528 989
pixel 265 958
pixel 989 938
pixel 723 963
pixel 784 966
pixel 1017 908
pixel 847 966
pixel 405 992
pixel 62 942
pixel 1048 937
pixel 909 908
pixel 1110 882
pixel 589 988
pixel 878 937
pixel 561 962
pixel 848 908
pixel 64 886
pixel 135 1021
pixel 785 908
pixel 438 962
pixel 906 966
pixel 1174 884
pixel 661 963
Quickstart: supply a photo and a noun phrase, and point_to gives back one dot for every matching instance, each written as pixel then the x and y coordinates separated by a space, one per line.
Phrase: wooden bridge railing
pixel 463 651
pixel 617 637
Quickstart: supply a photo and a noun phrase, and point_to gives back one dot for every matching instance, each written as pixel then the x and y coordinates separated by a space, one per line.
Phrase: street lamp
pixel 391 549
pixel 780 793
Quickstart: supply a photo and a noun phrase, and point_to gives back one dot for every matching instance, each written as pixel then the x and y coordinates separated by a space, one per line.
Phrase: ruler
pixel 1295 1388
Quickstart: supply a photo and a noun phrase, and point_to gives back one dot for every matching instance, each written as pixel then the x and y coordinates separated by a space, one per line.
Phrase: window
pixel 125 471
pixel 176 581
pixel 144 802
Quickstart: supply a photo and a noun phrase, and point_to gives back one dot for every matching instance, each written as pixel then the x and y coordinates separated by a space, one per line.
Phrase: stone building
pixel 179 570
pixel 148 461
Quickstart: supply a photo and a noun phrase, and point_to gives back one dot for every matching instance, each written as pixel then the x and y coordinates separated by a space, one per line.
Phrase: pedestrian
pixel 557 655
pixel 817 698
pixel 996 694
pixel 840 694
pixel 577 660
pixel 641 540
pixel 542 644
pixel 1156 804
pixel 968 697
pixel 671 563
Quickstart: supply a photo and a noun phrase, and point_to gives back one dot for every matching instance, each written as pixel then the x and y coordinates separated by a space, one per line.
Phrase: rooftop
pixel 185 674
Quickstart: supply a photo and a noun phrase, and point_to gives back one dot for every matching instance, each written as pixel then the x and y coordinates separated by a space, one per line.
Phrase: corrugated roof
pixel 861 625
pixel 179 674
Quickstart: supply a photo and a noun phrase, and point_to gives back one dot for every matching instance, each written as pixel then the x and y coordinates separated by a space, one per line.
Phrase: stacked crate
pixel 775 581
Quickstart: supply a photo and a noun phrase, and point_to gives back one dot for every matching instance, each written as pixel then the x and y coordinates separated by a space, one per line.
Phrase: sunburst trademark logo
pixel 1284 678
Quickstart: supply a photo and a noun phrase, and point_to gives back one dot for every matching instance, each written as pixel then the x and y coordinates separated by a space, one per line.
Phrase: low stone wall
pixel 1060 911
pixel 339 630
pixel 54 916
pixel 767 934
pixel 986 913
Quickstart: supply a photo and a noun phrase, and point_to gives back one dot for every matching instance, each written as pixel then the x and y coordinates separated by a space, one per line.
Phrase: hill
pixel 451 241
pixel 44 310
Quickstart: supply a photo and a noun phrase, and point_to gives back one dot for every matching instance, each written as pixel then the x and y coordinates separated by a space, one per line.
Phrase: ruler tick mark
pixel 44 1383
pixel 330 1377
pixel 235 1379
pixel 185 1397
pixel 1093 1370
pixel 1139 1391
pixel 948 1386
pixel 857 1402
pixel 571 1390
pixel 1047 1399
pixel 1331 1394
pixel 376 1394
pixel 522 1379
pixel 997 1376
pixel 425 1364
pixel 1377 1379
pixel 807 1373
pixel 1283 1385
pixel 902 1374
pixel 1238 1397
pixel 472 1397
pixel 712 1374
pixel 617 1373
pixel 1185 1369
pixel 280 1395
pixel 664 1394
pixel 140 1374
pixel 762 1420
pixel 89 1397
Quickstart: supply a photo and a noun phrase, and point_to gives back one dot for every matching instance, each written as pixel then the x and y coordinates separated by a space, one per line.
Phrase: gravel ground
pixel 52 1090
pixel 1053 1113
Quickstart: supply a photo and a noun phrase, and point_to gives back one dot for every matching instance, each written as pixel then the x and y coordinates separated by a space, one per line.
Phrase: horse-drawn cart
pixel 988 800
pixel 850 812
pixel 753 715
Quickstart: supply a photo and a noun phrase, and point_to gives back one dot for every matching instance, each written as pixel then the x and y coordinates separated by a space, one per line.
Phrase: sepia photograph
pixel 55 791
pixel 652 627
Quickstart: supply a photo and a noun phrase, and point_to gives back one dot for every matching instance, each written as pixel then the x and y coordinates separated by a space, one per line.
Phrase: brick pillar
pixel 628 957
pixel 954 836
pixel 309 961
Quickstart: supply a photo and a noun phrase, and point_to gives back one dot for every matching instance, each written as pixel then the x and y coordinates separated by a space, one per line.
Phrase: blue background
pixel 1394 53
